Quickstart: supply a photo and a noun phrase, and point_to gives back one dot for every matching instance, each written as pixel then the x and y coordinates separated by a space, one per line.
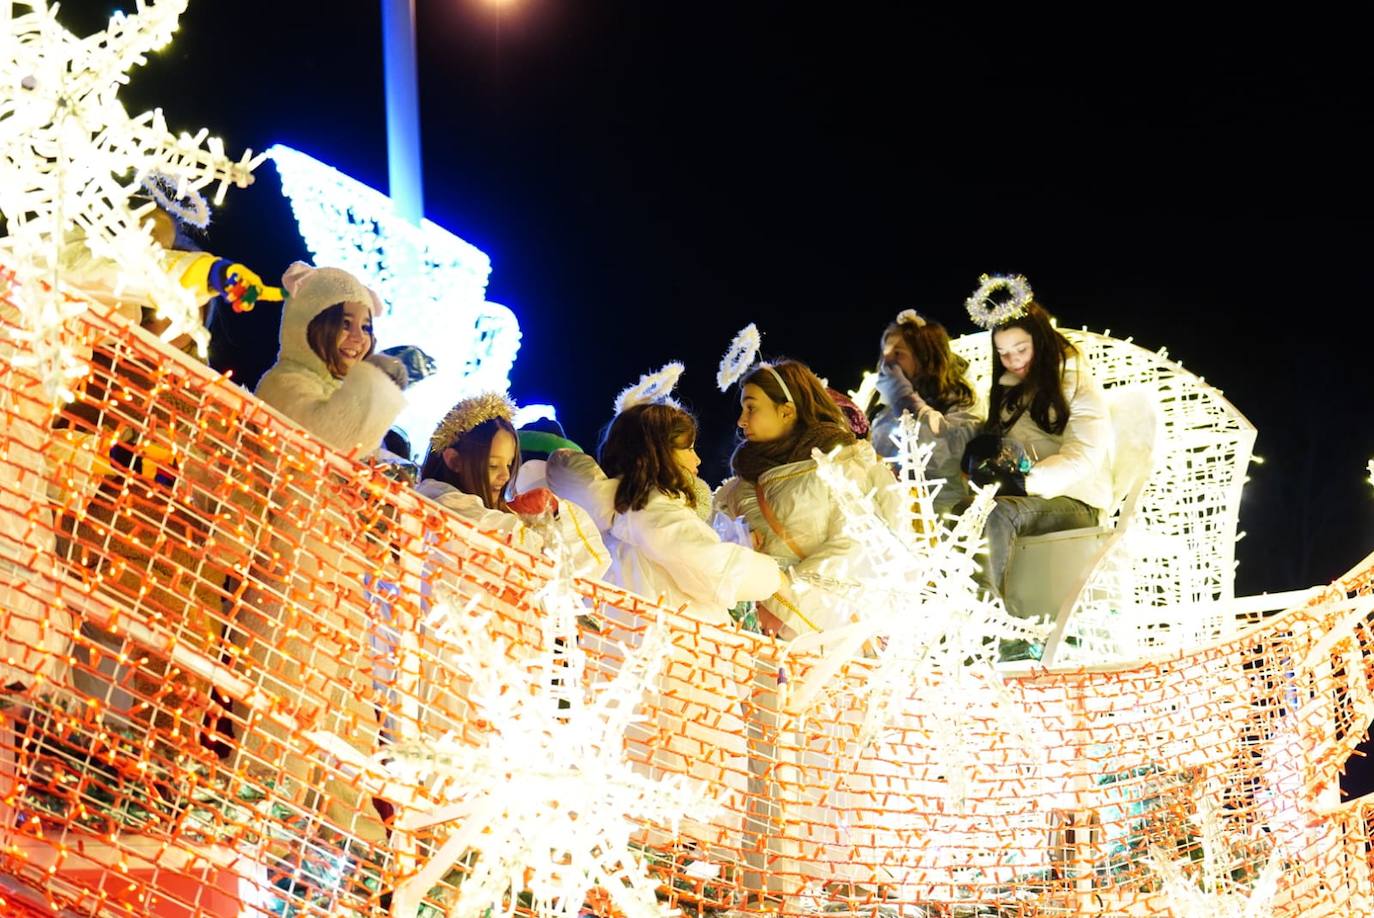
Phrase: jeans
pixel 1013 516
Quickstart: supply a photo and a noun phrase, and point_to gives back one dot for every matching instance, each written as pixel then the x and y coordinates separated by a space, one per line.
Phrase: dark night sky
pixel 647 177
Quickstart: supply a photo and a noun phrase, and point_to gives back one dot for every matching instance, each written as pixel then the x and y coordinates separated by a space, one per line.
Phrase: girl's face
pixel 687 459
pixel 760 420
pixel 1015 350
pixel 499 460
pixel 898 353
pixel 355 335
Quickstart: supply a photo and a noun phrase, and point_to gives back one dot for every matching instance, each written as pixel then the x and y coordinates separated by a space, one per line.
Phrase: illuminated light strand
pixel 939 634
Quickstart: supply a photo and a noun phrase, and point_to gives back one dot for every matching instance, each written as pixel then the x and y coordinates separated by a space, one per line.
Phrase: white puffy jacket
pixel 665 550
pixel 1078 462
pixel 823 559
pixel 572 526
pixel 350 413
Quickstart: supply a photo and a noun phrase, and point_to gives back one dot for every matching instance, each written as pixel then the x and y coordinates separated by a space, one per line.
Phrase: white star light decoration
pixel 434 282
pixel 70 157
pixel 936 629
pixel 550 802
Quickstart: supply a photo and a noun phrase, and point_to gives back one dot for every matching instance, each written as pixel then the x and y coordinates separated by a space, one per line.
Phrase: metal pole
pixel 402 109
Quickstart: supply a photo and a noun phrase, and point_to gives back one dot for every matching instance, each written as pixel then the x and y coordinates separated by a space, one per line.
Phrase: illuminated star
pixel 70 157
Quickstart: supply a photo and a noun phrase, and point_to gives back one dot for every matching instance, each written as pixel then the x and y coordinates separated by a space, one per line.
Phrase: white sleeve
pixel 871 474
pixel 1086 446
pixel 469 507
pixel 701 566
pixel 356 416
pixel 576 477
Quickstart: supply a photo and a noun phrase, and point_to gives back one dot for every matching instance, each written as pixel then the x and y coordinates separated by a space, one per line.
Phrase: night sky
pixel 648 177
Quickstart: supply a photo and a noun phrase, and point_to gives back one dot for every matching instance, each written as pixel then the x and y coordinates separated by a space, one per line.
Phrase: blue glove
pixel 894 388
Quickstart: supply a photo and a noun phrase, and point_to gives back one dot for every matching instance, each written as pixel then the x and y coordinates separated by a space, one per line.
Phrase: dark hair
pixel 637 448
pixel 820 422
pixel 812 402
pixel 322 334
pixel 474 451
pixel 939 371
pixel 1042 391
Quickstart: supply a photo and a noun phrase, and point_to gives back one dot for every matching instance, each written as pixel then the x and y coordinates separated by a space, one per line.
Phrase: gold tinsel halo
pixel 467 414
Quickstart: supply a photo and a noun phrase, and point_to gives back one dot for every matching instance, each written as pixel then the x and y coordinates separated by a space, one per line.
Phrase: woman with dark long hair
pixel 644 499
pixel 1046 401
pixel 473 454
pixel 919 375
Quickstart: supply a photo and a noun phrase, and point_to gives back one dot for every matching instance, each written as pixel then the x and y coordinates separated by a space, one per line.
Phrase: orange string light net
pixel 202 614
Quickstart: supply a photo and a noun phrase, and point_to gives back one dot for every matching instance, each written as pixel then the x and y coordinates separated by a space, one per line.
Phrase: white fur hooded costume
pixel 350 413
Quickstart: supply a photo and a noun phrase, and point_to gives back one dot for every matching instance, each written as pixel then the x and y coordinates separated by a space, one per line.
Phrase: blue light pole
pixel 402 109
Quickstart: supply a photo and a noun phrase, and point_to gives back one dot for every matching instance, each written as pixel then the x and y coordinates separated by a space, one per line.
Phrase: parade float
pixel 247 675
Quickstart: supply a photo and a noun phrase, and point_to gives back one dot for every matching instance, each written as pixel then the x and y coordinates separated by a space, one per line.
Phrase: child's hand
pixel 772 625
pixel 535 502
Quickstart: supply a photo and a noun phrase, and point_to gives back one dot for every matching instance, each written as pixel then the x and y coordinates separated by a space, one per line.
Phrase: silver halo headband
pixel 786 392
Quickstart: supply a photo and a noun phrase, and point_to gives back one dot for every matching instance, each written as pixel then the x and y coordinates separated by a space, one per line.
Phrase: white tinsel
pixel 740 357
pixel 652 387
pixel 981 308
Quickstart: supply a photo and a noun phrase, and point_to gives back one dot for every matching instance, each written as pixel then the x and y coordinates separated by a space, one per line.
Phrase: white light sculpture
pixel 550 802
pixel 434 282
pixel 1181 550
pixel 937 630
pixel 71 156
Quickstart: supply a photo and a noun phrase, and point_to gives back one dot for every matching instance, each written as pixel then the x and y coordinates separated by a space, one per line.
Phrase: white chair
pixel 1047 573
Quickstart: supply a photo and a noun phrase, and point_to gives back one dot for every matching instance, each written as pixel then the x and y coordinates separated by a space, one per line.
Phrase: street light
pixel 402 109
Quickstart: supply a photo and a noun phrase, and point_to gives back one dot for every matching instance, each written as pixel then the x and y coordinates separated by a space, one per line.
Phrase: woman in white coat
pixel 473 455
pixel 643 498
pixel 785 414
pixel 1046 401
pixel 327 378
pixel 919 374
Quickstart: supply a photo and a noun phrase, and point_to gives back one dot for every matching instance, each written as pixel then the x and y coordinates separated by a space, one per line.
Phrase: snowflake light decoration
pixel 550 802
pixel 432 280
pixel 71 157
pixel 937 629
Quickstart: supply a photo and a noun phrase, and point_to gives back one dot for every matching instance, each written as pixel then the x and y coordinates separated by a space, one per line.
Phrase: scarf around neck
pixel 753 459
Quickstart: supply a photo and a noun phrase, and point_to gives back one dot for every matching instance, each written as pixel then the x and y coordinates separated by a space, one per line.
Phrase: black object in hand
pixel 990 459
pixel 418 364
